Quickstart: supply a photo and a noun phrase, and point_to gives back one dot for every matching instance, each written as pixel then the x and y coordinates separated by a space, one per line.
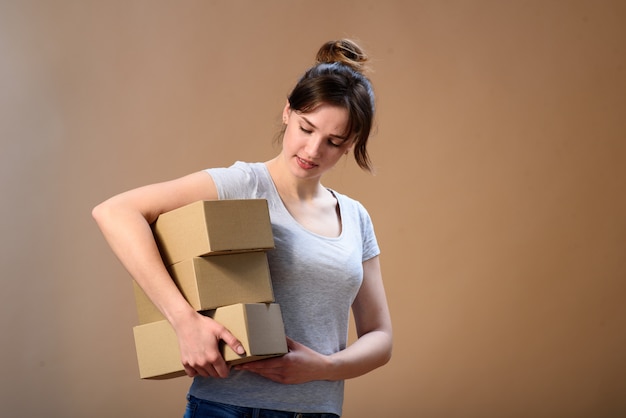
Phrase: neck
pixel 291 187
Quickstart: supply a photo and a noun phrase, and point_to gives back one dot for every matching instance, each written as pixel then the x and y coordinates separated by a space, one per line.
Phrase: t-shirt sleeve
pixel 370 243
pixel 235 182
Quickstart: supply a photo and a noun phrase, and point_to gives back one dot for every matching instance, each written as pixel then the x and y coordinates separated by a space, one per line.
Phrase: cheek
pixel 290 139
pixel 295 136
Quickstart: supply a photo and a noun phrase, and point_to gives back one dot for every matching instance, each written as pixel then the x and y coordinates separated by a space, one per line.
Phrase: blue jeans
pixel 198 408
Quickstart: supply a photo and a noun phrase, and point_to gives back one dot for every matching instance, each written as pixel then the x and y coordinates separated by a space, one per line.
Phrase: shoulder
pixel 238 180
pixel 356 217
pixel 348 201
pixel 239 170
pixel 352 207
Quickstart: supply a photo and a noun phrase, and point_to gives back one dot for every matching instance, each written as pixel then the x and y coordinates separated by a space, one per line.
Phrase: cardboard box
pixel 259 327
pixel 212 227
pixel 214 281
pixel 221 280
pixel 158 355
pixel 146 310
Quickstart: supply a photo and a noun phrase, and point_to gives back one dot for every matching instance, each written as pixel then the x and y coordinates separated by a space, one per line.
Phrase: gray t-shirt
pixel 315 281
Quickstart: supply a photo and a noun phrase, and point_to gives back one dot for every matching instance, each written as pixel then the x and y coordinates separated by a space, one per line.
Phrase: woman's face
pixel 315 141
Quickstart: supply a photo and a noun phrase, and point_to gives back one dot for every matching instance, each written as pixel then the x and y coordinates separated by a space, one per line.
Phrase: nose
pixel 313 147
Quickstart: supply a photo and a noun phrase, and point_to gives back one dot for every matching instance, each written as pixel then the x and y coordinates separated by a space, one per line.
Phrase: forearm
pixel 125 223
pixel 130 237
pixel 367 353
pixel 373 324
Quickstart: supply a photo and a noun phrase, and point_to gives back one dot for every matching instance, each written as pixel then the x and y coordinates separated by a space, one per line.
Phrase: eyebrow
pixel 342 137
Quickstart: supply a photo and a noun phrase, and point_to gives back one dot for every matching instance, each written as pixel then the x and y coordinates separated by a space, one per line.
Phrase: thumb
pixel 292 345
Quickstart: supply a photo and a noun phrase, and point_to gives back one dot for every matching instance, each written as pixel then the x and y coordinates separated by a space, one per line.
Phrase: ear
pixel 351 146
pixel 286 112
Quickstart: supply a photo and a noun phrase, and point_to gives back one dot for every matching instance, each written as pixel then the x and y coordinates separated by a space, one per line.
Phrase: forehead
pixel 330 119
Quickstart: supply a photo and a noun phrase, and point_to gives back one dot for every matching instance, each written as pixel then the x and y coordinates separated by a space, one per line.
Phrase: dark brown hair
pixel 338 79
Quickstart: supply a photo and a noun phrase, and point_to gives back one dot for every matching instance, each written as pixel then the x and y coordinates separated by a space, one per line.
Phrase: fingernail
pixel 240 350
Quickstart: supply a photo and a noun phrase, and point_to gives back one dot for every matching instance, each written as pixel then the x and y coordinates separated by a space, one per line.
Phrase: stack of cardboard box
pixel 216 253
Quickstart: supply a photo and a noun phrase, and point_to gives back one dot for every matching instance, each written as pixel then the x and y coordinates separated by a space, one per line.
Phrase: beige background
pixel 499 197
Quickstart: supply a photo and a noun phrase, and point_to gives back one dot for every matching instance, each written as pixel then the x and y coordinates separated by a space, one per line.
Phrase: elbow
pixel 99 213
pixel 96 212
pixel 387 346
pixel 386 357
pixel 385 349
pixel 103 213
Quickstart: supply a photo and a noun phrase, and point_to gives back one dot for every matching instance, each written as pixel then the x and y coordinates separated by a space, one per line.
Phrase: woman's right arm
pixel 125 223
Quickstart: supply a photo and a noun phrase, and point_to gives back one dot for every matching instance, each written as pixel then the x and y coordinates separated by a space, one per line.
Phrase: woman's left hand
pixel 299 365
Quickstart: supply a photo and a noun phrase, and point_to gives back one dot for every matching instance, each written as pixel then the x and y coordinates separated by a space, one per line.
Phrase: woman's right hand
pixel 198 338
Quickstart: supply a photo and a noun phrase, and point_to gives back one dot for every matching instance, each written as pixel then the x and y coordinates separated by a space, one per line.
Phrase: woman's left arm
pixel 372 349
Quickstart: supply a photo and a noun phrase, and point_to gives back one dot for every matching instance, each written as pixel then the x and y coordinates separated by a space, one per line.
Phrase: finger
pixel 190 371
pixel 213 365
pixel 232 342
pixel 221 369
pixel 209 370
pixel 193 371
pixel 291 344
pixel 208 366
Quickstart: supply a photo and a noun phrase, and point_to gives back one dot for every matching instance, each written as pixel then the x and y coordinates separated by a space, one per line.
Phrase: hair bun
pixel 344 51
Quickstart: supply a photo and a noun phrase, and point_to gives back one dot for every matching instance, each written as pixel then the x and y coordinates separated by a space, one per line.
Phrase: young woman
pixel 325 261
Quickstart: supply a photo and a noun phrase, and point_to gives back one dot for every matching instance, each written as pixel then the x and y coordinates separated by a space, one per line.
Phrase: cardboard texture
pixel 214 281
pixel 259 327
pixel 213 226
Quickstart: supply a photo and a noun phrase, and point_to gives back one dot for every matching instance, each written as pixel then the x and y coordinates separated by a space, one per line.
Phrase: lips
pixel 307 165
